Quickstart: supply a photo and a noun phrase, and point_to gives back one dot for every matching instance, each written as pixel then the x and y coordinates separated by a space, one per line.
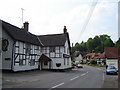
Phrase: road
pixel 88 77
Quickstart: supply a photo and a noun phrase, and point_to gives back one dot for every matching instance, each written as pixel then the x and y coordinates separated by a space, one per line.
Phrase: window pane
pixel 57 55
pixel 21 62
pixel 57 51
pixel 52 49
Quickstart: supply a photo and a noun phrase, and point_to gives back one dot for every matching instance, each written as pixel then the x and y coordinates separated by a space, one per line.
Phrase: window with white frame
pixel 57 52
pixel 44 50
pixel 22 60
pixel 28 48
pixel 52 49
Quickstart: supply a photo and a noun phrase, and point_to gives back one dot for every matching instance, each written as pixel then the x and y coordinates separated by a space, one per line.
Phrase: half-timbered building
pixel 57 48
pixel 21 50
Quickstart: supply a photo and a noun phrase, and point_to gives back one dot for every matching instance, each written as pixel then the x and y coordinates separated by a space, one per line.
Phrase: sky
pixel 50 17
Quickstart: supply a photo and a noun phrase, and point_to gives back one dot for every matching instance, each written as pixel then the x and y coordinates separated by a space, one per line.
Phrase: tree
pixel 108 43
pixel 105 42
pixel 97 43
pixel 76 47
pixel 117 43
pixel 90 44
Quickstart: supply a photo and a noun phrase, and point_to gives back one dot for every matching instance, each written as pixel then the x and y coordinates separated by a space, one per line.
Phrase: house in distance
pixel 22 50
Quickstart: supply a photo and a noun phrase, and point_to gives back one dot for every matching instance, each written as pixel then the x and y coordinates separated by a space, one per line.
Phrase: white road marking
pixel 70 79
pixel 74 78
pixel 86 72
pixel 83 74
pixel 56 86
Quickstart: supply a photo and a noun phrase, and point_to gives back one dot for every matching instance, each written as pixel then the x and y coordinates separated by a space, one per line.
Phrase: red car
pixel 79 66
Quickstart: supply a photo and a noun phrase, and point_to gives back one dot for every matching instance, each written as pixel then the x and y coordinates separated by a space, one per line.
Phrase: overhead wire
pixel 94 3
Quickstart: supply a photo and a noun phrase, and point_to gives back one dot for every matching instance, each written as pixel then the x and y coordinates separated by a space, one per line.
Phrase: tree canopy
pixel 117 43
pixel 98 43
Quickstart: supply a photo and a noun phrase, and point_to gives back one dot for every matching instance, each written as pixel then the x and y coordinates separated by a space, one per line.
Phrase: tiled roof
pixel 20 34
pixel 53 39
pixel 112 52
pixel 43 40
pixel 97 55
pixel 101 55
pixel 91 55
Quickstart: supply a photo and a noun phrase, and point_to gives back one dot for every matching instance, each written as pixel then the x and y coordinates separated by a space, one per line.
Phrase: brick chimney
pixel 65 30
pixel 26 26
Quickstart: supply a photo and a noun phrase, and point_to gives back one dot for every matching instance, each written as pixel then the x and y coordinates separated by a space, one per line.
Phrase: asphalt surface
pixel 111 81
pixel 88 77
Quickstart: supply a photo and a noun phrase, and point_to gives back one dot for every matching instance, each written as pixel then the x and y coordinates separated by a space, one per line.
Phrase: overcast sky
pixel 50 16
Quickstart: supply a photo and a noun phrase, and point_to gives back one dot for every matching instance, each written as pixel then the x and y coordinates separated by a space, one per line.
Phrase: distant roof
pixel 112 52
pixel 101 55
pixel 91 55
pixel 54 39
pixel 97 55
pixel 20 34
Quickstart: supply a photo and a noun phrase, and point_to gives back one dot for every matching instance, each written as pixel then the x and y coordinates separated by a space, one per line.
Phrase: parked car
pixel 111 70
pixel 79 65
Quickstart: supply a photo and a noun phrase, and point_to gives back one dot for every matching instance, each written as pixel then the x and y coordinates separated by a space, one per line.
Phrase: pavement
pixel 110 81
pixel 23 77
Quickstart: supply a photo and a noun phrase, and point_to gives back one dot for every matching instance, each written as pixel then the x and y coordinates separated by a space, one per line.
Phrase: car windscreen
pixel 111 67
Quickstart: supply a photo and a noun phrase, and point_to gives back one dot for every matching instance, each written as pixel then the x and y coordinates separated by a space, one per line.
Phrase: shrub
pixel 93 62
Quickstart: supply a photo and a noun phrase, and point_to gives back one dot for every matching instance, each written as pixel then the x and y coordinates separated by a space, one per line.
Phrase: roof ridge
pixel 11 24
pixel 51 34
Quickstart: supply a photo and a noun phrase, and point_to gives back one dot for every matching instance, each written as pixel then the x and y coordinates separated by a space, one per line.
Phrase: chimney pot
pixel 26 26
pixel 65 30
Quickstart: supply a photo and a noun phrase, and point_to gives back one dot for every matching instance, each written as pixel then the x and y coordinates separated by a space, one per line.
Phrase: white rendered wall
pixel 113 62
pixel 7 64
